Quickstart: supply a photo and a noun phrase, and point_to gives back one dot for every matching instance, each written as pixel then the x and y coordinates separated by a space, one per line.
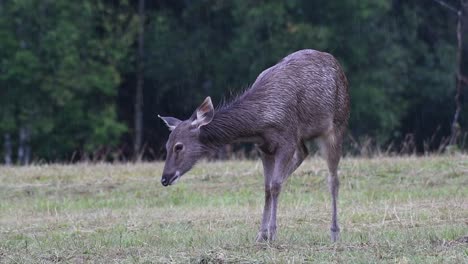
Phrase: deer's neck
pixel 230 124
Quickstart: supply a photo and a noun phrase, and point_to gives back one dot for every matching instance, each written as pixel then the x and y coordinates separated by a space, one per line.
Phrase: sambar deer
pixel 303 97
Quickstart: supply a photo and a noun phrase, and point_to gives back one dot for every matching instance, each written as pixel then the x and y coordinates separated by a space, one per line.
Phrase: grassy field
pixel 392 210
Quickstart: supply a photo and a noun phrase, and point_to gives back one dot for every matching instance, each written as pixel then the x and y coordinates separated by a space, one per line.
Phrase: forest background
pixel 86 79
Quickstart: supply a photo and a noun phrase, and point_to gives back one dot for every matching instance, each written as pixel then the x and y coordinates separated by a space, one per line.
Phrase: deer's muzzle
pixel 169 179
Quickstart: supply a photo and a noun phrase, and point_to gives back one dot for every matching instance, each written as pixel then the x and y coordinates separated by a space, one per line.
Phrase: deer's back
pixel 306 92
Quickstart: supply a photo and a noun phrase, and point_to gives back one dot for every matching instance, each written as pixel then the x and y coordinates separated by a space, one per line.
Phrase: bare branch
pixel 449 7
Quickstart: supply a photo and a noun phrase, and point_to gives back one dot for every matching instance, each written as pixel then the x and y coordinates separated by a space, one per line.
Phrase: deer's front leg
pixel 277 168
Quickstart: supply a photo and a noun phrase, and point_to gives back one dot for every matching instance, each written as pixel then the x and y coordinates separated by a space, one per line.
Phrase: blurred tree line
pixel 70 70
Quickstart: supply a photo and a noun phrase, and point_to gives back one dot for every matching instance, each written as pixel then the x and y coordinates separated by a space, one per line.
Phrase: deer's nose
pixel 164 181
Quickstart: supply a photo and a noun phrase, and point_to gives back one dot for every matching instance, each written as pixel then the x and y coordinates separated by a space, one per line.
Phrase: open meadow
pixel 392 210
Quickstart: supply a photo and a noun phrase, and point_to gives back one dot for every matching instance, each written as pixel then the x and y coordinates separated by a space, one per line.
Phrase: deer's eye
pixel 178 147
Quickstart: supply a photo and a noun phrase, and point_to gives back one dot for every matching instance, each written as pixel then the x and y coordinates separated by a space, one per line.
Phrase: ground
pixel 392 210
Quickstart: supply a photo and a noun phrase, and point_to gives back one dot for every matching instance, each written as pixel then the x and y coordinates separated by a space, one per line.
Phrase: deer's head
pixel 183 147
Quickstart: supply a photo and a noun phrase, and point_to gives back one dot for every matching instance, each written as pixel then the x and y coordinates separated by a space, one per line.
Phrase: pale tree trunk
pixel 460 79
pixel 7 149
pixel 24 149
pixel 27 148
pixel 455 124
pixel 21 143
pixel 139 85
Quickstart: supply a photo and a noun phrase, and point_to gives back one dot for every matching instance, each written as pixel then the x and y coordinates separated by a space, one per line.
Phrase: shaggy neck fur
pixel 230 123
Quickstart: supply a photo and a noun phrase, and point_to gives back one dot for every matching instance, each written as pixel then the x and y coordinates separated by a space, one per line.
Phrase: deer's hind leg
pixel 331 148
pixel 268 162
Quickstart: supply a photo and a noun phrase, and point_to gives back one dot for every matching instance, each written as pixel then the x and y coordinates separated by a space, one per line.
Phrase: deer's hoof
pixel 335 236
pixel 266 236
pixel 262 237
pixel 272 234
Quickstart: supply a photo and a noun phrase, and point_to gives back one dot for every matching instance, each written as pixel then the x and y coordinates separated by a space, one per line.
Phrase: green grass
pixel 392 210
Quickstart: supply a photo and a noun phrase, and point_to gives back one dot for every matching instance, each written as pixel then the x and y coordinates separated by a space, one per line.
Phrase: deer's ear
pixel 204 113
pixel 171 122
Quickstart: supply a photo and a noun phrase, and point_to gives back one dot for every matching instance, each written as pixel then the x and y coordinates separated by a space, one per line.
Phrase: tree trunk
pixel 455 124
pixel 24 149
pixel 21 143
pixel 460 79
pixel 27 147
pixel 7 149
pixel 139 85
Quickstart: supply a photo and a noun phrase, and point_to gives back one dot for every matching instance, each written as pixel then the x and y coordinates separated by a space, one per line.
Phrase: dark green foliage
pixel 60 73
pixel 67 68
